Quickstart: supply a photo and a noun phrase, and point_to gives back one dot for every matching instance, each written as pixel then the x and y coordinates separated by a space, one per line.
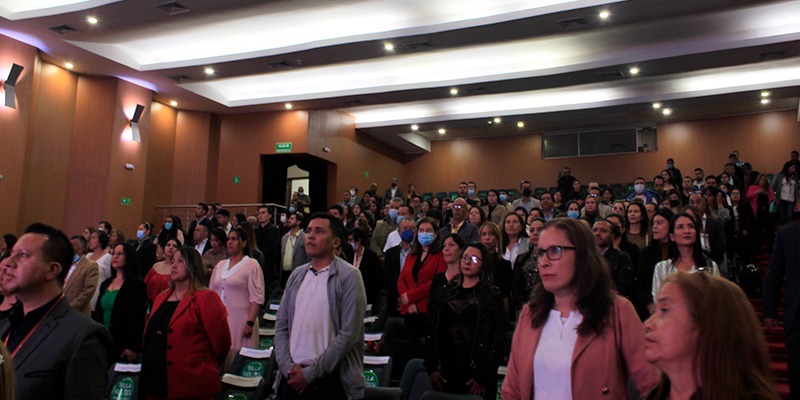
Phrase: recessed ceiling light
pixel 69 65
pixel 765 101
pixel 667 111
pixel 454 91
pixel 91 20
pixel 442 131
pixel 497 120
pixel 209 71
pixel 490 122
pixel 765 94
pixel 288 106
pixel 173 103
pixel 634 70
pixel 604 14
pixel 388 46
pixel 656 105
pixel 415 127
pixel 520 124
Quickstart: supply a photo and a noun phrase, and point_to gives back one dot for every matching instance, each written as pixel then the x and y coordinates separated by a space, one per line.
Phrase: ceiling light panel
pixel 784 73
pixel 24 9
pixel 301 25
pixel 511 60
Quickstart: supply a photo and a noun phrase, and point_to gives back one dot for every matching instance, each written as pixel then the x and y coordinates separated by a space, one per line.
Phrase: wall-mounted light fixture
pixel 137 115
pixel 11 83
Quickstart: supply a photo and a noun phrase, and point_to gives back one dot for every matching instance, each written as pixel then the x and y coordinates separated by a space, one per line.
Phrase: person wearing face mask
pixel 573 209
pixel 675 173
pixel 640 191
pixel 393 191
pixel 403 212
pixel 303 199
pixel 145 249
pixel 414 283
pixel 472 194
pixel 527 201
pixel 495 210
pixel 385 226
pixel 394 260
pixel 366 261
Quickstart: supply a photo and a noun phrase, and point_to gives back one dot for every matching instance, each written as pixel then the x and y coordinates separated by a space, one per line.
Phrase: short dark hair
pixel 81 242
pixel 240 217
pixel 358 235
pixel 698 169
pixel 336 207
pixel 334 224
pixel 103 238
pixel 225 213
pixel 204 206
pixel 106 225
pixel 56 247
pixel 10 239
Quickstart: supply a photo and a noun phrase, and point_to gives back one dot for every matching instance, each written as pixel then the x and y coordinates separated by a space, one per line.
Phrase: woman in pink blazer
pixel 575 338
pixel 414 284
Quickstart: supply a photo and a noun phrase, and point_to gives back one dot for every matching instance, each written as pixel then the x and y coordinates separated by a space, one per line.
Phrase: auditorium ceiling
pixel 415 71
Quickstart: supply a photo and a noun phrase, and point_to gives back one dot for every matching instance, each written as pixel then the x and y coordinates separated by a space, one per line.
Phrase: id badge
pixel 704 242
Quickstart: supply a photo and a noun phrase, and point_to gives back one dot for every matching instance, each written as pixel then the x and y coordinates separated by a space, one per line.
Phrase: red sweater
pixel 418 291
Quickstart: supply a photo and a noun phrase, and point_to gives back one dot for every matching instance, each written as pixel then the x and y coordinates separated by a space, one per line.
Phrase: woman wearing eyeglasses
pixel 575 338
pixel 686 251
pixel 467 329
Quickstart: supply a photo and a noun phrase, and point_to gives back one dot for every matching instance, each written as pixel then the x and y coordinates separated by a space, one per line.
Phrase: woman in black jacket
pixel 122 305
pixel 467 330
pixel 367 263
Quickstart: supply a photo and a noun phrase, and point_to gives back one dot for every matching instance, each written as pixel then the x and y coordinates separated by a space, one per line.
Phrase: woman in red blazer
pixel 575 338
pixel 423 262
pixel 187 338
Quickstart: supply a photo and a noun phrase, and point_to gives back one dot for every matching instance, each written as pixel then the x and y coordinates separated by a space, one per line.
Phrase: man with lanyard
pixel 58 352
pixel 320 349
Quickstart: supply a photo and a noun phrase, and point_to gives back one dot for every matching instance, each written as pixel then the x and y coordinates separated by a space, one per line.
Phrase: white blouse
pixel 666 268
pixel 552 362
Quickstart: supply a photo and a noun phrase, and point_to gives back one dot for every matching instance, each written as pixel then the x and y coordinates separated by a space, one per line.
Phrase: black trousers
pixel 328 387
pixel 794 370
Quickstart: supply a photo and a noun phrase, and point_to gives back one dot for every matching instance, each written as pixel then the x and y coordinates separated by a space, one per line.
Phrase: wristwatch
pixel 251 324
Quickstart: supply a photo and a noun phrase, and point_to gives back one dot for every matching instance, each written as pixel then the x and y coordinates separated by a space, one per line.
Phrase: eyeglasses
pixel 553 253
pixel 471 259
pixel 458 206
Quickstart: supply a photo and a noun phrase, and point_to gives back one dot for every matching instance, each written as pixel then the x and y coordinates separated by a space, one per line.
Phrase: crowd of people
pixel 599 290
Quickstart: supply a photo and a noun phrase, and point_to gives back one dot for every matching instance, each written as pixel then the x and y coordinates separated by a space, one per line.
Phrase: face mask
pixel 639 188
pixel 394 184
pixel 75 258
pixel 300 193
pixel 526 192
pixel 407 236
pixel 292 210
pixel 471 192
pixel 140 234
pixel 354 245
pixel 101 229
pixel 393 215
pixel 283 219
pixel 674 203
pixel 352 193
pixel 425 238
pixel 669 166
pixel 503 198
pixel 400 219
pixel 168 226
pixel 573 214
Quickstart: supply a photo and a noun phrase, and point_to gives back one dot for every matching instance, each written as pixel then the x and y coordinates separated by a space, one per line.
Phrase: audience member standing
pixel 82 278
pixel 200 211
pixel 459 223
pixel 145 254
pixel 687 254
pixel 268 240
pixel 422 264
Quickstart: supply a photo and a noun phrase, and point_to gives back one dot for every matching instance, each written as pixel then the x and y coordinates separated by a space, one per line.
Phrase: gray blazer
pixel 65 358
pixel 299 256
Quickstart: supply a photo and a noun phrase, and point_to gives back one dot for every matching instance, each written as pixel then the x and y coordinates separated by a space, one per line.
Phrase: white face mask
pixel 283 219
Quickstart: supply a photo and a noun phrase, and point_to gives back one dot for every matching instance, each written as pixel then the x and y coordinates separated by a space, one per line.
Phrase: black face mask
pixel 674 203
pixel 526 192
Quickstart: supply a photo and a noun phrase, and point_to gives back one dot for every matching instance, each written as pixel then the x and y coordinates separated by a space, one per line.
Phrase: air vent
pixel 772 54
pixel 416 46
pixel 282 64
pixel 573 23
pixel 611 75
pixel 64 30
pixel 180 78
pixel 351 103
pixel 174 8
pixel 477 90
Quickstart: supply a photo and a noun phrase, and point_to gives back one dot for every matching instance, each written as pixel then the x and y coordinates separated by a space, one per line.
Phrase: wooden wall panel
pixel 50 133
pixel 191 157
pixel 160 160
pixel 762 139
pixel 243 139
pixel 14 125
pixel 90 152
pixel 360 159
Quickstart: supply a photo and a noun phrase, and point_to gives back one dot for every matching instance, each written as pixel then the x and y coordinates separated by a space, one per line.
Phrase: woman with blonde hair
pixel 706 339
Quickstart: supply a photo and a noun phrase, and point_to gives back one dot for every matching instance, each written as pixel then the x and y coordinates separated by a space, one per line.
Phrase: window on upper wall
pixel 598 143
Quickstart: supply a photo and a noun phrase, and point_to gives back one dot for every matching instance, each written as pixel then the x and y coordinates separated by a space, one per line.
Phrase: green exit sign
pixel 283 147
pixel 126 201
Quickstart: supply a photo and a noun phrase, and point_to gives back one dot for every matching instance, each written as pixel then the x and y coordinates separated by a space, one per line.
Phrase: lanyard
pixel 25 339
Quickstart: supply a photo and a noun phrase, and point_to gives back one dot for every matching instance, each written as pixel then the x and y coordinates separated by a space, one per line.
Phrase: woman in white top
pixel 515 238
pixel 98 241
pixel 686 250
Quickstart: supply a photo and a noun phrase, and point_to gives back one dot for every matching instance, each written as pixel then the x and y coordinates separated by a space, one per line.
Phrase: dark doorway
pixel 275 188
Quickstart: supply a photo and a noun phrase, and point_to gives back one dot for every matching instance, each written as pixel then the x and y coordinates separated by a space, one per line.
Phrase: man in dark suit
pixel 293 247
pixel 786 261
pixel 619 262
pixel 393 191
pixel 394 258
pixel 82 278
pixel 200 211
pixel 459 223
pixel 58 352
pixel 201 234
pixel 268 240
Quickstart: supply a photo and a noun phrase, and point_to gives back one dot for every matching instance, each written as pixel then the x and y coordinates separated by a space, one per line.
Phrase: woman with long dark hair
pixel 686 252
pixel 467 330
pixel 122 305
pixel 173 227
pixel 638 225
pixel 575 339
pixel 414 284
pixel 655 252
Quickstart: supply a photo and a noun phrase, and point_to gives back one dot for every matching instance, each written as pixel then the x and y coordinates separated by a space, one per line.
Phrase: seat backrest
pixel 241 388
pixel 251 363
pixel 377 370
pixel 123 381
pixel 383 393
